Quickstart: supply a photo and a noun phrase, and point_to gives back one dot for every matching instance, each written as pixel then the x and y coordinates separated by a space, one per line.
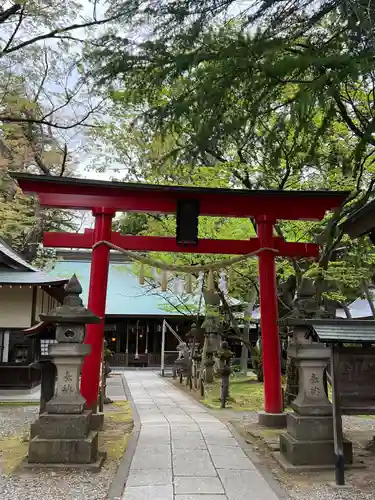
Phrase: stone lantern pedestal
pixel 308 442
pixel 211 327
pixel 64 431
pixel 68 359
pixel 224 356
pixel 209 361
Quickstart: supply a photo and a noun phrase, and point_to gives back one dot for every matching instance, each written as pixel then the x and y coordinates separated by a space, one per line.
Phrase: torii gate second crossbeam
pixel 105 198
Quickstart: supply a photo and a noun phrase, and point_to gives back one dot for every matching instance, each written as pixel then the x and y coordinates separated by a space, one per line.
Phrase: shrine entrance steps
pixel 183 452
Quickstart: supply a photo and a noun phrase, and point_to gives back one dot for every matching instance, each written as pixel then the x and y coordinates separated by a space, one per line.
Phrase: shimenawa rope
pixel 158 264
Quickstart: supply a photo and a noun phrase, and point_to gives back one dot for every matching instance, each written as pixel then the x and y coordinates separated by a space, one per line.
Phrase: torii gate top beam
pixel 82 194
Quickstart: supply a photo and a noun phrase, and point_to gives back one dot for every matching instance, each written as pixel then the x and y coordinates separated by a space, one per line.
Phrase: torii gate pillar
pixel 96 304
pixel 273 400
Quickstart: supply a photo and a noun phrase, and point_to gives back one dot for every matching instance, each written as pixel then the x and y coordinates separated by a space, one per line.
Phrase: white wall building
pixel 25 292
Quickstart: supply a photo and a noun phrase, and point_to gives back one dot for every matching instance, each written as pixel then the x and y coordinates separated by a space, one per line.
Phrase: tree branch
pixel 287 171
pixel 216 155
pixel 44 77
pixel 18 25
pixel 345 115
pixel 63 163
pixel 58 31
pixel 244 180
pixel 42 121
pixel 6 14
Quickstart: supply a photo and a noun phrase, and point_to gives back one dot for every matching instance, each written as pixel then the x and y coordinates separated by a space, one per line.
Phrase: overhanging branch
pixel 58 31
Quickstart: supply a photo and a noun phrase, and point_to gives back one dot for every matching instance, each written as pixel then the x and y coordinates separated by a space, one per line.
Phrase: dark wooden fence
pixel 151 359
pixel 19 376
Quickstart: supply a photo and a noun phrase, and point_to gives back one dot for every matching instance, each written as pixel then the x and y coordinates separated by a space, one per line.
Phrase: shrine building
pixel 135 313
pixel 25 292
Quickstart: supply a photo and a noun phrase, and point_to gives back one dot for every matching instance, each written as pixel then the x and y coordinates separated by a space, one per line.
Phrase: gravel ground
pixel 15 419
pixel 56 486
pixel 356 423
pixel 246 417
pixel 321 486
pixel 349 423
pixel 327 492
pixel 38 485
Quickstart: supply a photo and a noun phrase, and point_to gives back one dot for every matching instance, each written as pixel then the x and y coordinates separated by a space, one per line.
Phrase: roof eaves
pixel 9 252
pixel 345 331
pixel 29 278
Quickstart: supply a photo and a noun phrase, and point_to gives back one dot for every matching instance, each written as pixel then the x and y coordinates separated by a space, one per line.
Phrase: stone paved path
pixel 184 453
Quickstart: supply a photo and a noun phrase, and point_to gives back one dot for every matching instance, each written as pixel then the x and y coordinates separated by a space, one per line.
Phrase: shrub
pixel 236 368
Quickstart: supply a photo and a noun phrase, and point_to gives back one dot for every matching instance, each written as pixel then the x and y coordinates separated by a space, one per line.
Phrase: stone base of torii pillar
pixel 64 435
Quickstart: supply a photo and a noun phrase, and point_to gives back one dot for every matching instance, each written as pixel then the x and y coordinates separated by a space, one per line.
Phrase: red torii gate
pixel 105 198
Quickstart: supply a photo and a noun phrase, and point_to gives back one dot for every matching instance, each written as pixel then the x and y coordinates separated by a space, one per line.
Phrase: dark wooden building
pixel 134 313
pixel 25 292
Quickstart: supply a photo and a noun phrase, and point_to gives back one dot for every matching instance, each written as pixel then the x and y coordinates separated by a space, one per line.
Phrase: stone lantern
pixel 209 350
pixel 308 441
pixel 64 429
pixel 190 337
pixel 224 355
pixel 312 359
pixel 211 326
pixel 193 338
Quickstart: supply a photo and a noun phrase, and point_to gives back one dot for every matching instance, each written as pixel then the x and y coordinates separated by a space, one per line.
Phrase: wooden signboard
pixel 352 374
pixel 355 369
pixel 353 392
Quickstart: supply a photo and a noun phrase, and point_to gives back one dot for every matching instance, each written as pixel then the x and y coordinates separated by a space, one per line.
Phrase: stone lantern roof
pixel 72 310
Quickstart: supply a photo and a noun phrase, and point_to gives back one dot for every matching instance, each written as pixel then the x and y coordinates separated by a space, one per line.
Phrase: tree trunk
pixel 366 290
pixel 257 361
pixel 246 331
pixel 203 359
pixel 346 310
pixel 245 351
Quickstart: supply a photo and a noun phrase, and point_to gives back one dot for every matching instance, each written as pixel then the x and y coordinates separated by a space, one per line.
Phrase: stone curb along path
pixel 181 452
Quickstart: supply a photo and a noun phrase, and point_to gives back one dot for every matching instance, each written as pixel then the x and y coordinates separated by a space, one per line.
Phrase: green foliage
pixel 17 219
pixel 278 98
pixel 131 223
pixel 257 361
pixel 262 94
pixel 46 99
pixel 246 394
pixel 107 353
pixel 301 120
pixel 243 277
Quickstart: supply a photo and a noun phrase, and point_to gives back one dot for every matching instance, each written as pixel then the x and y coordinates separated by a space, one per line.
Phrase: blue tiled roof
pixel 125 296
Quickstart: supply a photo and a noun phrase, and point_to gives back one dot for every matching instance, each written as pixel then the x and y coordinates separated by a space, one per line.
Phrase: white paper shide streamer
pixel 223 284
